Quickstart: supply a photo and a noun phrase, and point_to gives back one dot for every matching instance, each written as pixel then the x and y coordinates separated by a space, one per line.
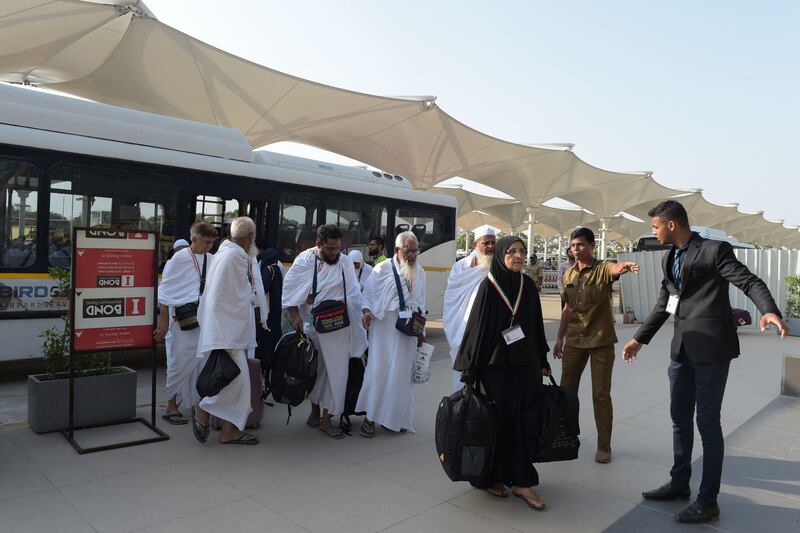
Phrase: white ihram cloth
pixel 179 285
pixel 335 348
pixel 462 287
pixel 260 301
pixel 387 394
pixel 226 324
pixel 361 273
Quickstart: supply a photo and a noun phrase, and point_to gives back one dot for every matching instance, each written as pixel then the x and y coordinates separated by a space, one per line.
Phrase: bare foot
pixel 533 500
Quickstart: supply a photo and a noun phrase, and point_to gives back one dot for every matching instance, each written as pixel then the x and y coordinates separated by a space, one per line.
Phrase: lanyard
pixel 515 308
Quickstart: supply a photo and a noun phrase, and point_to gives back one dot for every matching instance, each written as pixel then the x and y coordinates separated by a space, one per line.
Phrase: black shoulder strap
pixel 399 287
pixel 203 275
pixel 314 283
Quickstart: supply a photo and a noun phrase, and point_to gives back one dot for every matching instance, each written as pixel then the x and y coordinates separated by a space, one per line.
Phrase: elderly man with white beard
pixel 462 286
pixel 387 394
pixel 324 275
pixel 226 323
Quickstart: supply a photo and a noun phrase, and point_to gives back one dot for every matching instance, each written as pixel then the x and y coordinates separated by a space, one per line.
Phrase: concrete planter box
pixel 99 399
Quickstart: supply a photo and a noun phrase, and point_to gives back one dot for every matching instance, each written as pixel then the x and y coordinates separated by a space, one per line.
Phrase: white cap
pixel 484 231
pixel 356 256
pixel 180 243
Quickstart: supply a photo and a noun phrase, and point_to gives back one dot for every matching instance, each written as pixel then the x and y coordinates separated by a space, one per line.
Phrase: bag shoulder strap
pixel 399 286
pixel 314 283
pixel 203 275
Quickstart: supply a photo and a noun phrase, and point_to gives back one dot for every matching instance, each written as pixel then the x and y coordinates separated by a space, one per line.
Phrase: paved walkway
pixel 299 480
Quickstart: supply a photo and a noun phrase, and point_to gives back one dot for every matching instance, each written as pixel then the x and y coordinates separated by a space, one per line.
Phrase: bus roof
pixel 30 117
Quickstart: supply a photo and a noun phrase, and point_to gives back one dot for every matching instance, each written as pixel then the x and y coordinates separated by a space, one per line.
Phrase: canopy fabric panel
pixel 610 199
pixel 475 219
pixel 469 201
pixel 701 212
pixel 619 228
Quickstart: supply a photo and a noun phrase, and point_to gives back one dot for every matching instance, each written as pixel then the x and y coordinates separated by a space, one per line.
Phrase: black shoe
pixel 666 492
pixel 697 513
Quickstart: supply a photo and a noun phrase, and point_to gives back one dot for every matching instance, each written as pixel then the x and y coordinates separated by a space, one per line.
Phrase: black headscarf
pixel 483 342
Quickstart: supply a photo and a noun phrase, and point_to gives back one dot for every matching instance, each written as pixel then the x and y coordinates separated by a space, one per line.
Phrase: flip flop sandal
pixel 243 438
pixel 498 491
pixel 200 430
pixel 534 503
pixel 401 430
pixel 313 421
pixel 176 418
pixel 367 429
pixel 333 432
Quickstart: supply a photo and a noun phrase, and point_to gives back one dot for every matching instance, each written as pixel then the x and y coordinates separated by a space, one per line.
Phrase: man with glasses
pixel 587 322
pixel 387 395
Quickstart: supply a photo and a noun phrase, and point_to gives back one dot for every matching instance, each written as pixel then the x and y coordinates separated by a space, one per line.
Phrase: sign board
pixel 30 293
pixel 113 289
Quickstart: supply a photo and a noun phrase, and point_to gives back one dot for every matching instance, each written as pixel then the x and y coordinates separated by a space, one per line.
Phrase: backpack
pixel 293 371
pixel 355 379
pixel 466 435
pixel 558 440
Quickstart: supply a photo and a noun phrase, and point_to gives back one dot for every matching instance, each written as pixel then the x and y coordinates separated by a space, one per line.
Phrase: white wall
pixel 641 292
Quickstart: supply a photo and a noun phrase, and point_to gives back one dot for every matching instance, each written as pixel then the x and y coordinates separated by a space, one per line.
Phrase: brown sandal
pixel 498 490
pixel 534 502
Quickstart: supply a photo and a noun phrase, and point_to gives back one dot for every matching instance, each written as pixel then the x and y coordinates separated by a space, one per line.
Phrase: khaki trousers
pixel 602 363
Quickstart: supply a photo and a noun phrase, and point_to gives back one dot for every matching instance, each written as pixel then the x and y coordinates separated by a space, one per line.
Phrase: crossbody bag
pixel 413 325
pixel 186 314
pixel 329 315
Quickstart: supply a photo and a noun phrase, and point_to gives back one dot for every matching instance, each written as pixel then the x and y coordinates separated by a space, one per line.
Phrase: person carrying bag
pixel 411 323
pixel 186 314
pixel 329 315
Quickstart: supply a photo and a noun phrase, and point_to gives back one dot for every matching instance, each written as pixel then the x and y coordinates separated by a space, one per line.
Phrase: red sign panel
pixel 114 289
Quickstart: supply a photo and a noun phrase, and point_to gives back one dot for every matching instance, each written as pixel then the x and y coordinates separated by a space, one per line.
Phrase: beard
pixel 329 260
pixel 253 251
pixel 409 271
pixel 374 253
pixel 484 260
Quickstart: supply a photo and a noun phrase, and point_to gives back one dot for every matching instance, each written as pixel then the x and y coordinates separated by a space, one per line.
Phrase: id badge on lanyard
pixel 672 303
pixel 513 333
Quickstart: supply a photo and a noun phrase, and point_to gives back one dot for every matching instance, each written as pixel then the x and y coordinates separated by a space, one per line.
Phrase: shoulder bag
pixel 329 315
pixel 414 326
pixel 186 314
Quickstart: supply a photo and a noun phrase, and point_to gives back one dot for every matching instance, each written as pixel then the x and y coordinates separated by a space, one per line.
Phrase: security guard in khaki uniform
pixel 587 322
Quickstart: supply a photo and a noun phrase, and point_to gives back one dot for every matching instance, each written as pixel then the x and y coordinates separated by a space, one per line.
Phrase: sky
pixel 704 94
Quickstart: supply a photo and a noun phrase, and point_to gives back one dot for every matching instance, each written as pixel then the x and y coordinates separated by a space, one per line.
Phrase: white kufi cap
pixel 484 231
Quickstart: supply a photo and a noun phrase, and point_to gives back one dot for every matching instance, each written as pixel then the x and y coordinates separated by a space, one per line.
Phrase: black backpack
pixel 558 440
pixel 466 435
pixel 293 371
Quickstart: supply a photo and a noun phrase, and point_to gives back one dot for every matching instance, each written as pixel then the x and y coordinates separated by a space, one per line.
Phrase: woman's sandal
pixel 534 502
pixel 242 438
pixel 200 430
pixel 175 418
pixel 333 432
pixel 367 429
pixel 498 490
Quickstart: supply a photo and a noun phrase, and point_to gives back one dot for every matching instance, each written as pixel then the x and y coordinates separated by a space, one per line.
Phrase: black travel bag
pixel 294 370
pixel 558 440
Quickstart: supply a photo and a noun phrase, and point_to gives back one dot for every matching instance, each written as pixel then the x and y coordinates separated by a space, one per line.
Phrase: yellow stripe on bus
pixel 24 275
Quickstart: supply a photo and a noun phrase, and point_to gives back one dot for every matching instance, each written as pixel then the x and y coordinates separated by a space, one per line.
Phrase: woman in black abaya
pixel 505 350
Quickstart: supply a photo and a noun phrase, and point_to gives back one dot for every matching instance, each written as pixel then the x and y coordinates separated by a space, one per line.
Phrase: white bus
pixel 66 162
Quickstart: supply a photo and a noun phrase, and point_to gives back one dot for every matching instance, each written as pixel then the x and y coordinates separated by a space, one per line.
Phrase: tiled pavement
pixel 299 480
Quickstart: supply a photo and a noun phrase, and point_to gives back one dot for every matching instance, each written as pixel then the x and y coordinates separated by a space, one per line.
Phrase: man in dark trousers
pixel 697 274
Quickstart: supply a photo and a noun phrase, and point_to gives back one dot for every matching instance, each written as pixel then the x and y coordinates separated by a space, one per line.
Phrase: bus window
pixel 426 224
pixel 81 197
pixel 19 181
pixel 297 226
pixel 358 221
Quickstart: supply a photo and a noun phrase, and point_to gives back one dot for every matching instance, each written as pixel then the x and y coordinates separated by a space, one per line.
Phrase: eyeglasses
pixel 409 252
pixel 516 251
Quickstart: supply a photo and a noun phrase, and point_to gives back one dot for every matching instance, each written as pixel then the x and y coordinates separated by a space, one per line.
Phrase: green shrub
pixel 792 297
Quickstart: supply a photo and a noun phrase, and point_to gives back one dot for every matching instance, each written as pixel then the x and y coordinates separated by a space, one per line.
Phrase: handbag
pixel 219 370
pixel 329 315
pixel 414 326
pixel 558 440
pixel 186 314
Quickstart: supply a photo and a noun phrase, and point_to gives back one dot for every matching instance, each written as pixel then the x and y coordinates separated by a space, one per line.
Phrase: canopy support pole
pixel 603 229
pixel 531 236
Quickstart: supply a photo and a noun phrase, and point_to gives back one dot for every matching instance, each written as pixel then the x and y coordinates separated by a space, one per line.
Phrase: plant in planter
pixel 102 394
pixel 791 314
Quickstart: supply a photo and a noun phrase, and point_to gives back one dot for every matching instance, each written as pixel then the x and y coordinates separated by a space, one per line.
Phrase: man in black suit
pixel 697 274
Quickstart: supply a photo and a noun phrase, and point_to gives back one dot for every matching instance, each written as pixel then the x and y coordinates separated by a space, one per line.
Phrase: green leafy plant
pixel 792 297
pixel 55 346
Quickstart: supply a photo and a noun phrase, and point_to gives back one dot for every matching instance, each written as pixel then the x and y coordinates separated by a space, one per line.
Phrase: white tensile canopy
pixel 118 53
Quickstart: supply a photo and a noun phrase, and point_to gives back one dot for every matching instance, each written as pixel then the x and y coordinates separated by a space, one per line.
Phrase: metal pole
pixel 467 244
pixel 603 229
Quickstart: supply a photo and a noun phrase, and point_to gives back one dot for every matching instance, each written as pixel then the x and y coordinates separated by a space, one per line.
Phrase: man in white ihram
pixel 387 394
pixel 462 286
pixel 335 277
pixel 181 283
pixel 226 324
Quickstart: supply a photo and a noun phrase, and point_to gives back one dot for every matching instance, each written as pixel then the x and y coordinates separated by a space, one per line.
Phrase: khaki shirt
pixel 535 272
pixel 588 293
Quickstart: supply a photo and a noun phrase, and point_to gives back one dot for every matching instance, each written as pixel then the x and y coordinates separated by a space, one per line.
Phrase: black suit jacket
pixel 703 324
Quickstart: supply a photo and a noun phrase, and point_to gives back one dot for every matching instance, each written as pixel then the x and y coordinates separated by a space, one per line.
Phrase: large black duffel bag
pixel 559 438
pixel 466 435
pixel 294 370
